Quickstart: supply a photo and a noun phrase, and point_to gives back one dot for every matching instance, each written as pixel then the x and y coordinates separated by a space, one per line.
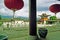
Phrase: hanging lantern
pixel 14 4
pixel 55 8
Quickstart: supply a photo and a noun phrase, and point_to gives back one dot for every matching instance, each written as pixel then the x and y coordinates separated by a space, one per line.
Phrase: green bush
pixel 53 19
pixel 1 23
pixel 0 17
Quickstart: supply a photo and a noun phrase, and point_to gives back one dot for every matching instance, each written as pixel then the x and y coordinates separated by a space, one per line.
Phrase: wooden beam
pixel 33 28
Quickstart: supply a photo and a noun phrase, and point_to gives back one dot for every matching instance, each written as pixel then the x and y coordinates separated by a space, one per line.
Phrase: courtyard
pixel 22 33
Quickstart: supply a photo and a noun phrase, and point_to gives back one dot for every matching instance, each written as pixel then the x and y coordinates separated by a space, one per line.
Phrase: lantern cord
pixel 13 13
pixel 14 16
pixel 55 14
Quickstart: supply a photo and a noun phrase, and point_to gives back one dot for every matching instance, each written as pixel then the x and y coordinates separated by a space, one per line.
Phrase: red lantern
pixel 14 4
pixel 55 8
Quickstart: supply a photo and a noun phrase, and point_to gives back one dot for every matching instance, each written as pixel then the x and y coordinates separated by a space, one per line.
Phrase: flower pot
pixel 42 32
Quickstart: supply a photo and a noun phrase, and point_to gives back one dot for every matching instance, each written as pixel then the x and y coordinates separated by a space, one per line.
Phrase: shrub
pixel 1 23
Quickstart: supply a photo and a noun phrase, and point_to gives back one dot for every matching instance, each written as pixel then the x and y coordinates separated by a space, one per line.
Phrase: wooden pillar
pixel 33 28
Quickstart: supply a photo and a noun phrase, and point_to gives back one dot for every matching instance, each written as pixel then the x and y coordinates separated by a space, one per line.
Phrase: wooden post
pixel 33 28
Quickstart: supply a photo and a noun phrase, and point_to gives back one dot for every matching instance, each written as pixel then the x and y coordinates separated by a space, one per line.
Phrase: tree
pixel 0 21
pixel 0 17
pixel 52 19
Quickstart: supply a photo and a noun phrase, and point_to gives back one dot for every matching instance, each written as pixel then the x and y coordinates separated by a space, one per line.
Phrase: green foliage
pixel 0 17
pixel 1 23
pixel 53 18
